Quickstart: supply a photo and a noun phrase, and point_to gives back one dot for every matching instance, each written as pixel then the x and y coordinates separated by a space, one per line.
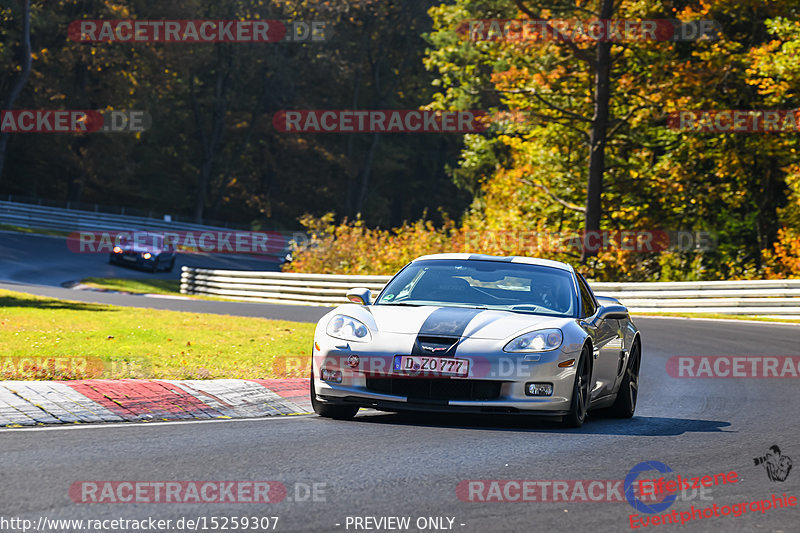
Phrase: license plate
pixel 440 366
pixel 128 258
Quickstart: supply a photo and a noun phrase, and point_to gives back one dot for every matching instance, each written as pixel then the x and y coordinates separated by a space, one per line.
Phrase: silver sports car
pixel 478 334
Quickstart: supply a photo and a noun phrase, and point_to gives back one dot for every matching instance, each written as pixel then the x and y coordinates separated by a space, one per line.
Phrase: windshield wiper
pixel 525 308
pixel 460 306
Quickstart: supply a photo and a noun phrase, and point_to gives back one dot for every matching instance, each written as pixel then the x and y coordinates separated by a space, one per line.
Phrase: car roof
pixel 500 259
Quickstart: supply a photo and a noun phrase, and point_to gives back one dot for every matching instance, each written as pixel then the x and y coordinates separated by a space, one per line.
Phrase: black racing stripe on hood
pixel 448 321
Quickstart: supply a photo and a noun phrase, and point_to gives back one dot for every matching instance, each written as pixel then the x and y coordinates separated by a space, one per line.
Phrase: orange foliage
pixel 784 260
pixel 352 248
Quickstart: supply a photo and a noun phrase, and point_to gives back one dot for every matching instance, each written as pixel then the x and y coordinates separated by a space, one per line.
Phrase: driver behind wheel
pixel 550 293
pixel 435 286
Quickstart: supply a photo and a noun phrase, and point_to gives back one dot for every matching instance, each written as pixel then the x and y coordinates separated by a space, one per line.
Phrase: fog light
pixel 539 389
pixel 334 376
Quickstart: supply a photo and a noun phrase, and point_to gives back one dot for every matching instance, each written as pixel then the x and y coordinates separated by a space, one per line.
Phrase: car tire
pixel 338 412
pixel 625 404
pixel 154 268
pixel 171 266
pixel 581 391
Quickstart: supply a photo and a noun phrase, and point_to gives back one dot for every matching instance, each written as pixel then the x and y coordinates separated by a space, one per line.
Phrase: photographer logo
pixel 777 466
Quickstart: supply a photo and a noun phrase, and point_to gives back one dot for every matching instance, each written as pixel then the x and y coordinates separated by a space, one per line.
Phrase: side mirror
pixel 613 312
pixel 359 295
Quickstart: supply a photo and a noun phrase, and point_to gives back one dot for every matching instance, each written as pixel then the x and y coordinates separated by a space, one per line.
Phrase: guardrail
pixel 749 297
pixel 277 287
pixel 94 207
pixel 58 218
pixel 759 297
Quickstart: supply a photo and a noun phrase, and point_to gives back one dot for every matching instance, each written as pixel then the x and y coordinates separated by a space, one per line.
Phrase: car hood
pixel 456 321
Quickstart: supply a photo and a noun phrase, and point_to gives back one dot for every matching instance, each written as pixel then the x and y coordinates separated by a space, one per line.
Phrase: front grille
pixel 436 389
pixel 439 346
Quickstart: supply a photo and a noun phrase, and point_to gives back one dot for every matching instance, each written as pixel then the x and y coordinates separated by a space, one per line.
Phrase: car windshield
pixel 517 287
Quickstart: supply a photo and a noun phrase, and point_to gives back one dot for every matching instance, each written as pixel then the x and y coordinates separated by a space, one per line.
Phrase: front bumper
pixel 495 384
pixel 133 259
pixel 425 406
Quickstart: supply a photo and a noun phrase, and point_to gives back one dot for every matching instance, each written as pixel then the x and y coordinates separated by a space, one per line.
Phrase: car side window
pixel 587 300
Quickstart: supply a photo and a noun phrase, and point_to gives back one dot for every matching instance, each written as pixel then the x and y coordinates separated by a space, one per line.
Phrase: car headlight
pixel 117 250
pixel 348 329
pixel 536 341
pixel 147 255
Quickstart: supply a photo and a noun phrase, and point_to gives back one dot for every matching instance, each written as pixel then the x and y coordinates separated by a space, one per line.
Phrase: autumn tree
pixel 24 72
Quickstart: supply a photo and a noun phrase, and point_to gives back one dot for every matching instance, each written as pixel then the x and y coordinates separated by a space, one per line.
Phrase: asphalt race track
pixel 40 265
pixel 392 465
pixel 387 465
pixel 295 313
pixel 46 260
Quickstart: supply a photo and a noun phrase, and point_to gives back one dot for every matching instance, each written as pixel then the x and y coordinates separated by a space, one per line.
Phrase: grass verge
pixel 148 286
pixel 46 338
pixel 136 285
pixel 721 316
pixel 37 231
